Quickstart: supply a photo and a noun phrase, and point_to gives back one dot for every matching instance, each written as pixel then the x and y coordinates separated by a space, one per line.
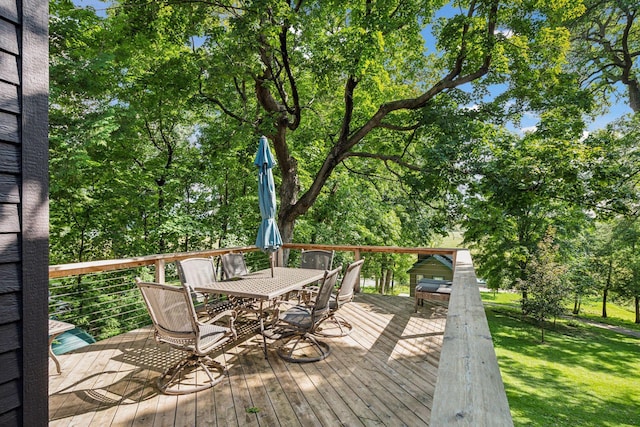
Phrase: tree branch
pixel 395 159
pixel 292 81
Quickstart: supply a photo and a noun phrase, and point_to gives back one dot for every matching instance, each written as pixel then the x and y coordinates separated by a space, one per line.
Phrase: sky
pixel 528 122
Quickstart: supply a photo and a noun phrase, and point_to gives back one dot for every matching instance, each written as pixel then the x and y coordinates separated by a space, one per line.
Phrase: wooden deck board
pixel 384 373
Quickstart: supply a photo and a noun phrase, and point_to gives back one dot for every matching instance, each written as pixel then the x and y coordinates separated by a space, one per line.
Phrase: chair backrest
pixel 172 312
pixel 321 306
pixel 316 259
pixel 349 280
pixel 196 271
pixel 233 265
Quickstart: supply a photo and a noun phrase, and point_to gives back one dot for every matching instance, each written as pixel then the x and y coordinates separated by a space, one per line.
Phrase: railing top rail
pixel 469 390
pixel 62 270
pixel 383 249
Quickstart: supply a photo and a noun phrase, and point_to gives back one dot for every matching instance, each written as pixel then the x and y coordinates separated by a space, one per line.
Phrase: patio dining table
pixel 265 286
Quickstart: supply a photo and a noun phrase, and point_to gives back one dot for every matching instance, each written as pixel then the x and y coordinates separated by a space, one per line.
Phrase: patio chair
pixel 176 323
pixel 316 259
pixel 335 325
pixel 299 323
pixel 233 265
pixel 198 272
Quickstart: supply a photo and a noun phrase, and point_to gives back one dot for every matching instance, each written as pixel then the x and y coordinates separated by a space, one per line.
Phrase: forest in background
pixel 380 138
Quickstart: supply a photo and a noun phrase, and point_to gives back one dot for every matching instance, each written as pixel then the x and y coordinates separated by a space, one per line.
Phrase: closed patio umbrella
pixel 268 239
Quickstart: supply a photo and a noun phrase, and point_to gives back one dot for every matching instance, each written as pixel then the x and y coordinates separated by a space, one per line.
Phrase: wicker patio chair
pixel 316 259
pixel 300 322
pixel 335 325
pixel 199 272
pixel 176 323
pixel 233 265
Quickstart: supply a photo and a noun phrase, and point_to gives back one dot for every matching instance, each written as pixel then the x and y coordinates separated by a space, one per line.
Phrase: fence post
pixel 160 270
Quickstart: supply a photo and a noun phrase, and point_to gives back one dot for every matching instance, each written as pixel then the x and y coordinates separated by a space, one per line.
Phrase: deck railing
pixel 469 389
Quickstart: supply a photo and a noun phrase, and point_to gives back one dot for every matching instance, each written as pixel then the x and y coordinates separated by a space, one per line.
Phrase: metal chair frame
pixel 176 323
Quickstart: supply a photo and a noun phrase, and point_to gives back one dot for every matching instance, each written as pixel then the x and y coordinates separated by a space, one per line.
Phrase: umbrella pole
pixel 271 262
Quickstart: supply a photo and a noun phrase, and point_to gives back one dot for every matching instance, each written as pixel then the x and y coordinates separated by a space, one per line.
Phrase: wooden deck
pixel 384 373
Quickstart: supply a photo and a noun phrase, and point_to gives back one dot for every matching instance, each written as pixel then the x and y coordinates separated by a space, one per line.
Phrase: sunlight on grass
pixel 582 376
pixel 501 297
pixel 591 309
pixel 616 315
pixel 396 290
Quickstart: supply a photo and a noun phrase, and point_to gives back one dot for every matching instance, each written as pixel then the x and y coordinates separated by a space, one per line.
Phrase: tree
pixel 579 258
pixel 545 283
pixel 606 47
pixel 79 124
pixel 628 239
pixel 523 186
pixel 332 80
pixel 340 89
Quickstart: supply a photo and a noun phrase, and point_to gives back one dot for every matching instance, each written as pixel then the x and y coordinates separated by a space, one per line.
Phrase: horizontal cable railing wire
pixel 101 297
pixel 101 304
pixel 108 303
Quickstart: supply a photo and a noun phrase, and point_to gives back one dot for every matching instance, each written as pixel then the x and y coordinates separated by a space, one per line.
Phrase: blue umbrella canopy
pixel 268 239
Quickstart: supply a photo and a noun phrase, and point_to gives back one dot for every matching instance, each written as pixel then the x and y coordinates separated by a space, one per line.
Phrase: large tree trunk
pixel 605 293
pixel 637 301
pixel 388 279
pixel 634 95
pixel 576 303
pixel 286 111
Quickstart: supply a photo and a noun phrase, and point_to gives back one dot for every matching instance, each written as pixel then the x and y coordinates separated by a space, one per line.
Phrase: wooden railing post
pixel 160 273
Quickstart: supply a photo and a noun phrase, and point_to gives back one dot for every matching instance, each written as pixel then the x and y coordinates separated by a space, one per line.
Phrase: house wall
pixel 23 212
pixel 428 270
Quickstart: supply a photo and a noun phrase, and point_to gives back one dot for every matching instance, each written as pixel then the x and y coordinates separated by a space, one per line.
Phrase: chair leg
pixel 334 326
pixel 170 382
pixel 295 349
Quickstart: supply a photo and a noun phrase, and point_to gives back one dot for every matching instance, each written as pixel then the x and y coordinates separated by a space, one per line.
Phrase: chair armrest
pixel 308 294
pixel 232 314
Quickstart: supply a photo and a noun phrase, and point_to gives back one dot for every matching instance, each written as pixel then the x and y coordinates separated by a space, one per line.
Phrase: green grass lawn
pixel 591 309
pixel 581 376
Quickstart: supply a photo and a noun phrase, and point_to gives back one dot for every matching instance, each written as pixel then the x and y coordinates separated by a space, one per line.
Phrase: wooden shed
pixel 24 212
pixel 436 267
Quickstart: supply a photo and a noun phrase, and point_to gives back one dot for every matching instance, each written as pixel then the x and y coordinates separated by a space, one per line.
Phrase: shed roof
pixel 443 259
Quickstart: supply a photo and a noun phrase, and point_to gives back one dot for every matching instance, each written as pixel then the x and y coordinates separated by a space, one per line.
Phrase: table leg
pixel 52 355
pixel 264 338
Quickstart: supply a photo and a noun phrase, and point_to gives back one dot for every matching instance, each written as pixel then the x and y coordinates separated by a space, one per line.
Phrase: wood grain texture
pixel 8 37
pixel 9 10
pixel 9 126
pixel 9 158
pixel 469 390
pixel 34 206
pixel 9 101
pixel 384 373
pixel 9 248
pixel 9 219
pixel 10 273
pixel 9 188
